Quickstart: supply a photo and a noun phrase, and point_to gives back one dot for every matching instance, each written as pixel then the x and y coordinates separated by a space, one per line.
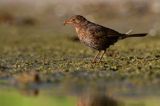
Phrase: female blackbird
pixel 96 36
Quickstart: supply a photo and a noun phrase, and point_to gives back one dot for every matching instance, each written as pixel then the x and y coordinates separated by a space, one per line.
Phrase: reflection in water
pixel 29 92
pixel 27 78
pixel 93 97
pixel 27 83
pixel 86 94
pixel 28 86
pixel 96 97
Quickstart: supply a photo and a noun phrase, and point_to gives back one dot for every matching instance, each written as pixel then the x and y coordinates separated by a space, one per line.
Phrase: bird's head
pixel 75 20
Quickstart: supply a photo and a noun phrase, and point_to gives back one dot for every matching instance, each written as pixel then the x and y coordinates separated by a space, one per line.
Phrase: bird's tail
pixel 135 35
pixel 127 34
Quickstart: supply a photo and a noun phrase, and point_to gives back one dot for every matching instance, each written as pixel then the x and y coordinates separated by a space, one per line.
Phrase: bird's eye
pixel 73 19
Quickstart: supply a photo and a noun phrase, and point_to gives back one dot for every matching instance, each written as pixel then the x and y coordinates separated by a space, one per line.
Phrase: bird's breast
pixel 85 37
pixel 81 34
pixel 77 29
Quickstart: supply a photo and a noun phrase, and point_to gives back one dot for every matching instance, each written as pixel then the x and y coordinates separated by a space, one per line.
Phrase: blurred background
pixel 139 15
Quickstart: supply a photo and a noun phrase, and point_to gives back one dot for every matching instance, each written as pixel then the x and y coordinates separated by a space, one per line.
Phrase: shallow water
pixel 75 89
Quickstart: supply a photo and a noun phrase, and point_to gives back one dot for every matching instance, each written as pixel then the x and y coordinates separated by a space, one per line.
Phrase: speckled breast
pixel 90 40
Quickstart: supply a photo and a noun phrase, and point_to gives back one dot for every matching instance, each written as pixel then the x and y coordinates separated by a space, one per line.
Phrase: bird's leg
pixel 94 59
pixel 102 55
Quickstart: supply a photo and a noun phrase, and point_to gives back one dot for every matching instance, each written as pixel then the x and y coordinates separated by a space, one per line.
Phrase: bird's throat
pixel 77 29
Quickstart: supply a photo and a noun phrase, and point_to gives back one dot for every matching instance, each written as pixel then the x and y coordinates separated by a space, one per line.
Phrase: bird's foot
pixel 96 61
pixel 112 53
pixel 93 61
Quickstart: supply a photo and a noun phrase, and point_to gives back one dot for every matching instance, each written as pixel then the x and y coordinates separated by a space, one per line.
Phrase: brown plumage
pixel 96 36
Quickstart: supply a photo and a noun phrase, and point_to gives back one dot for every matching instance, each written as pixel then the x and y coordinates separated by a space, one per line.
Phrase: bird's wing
pixel 101 31
pixel 112 33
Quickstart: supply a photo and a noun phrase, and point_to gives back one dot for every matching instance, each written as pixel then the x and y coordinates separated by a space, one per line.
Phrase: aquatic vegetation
pixel 130 67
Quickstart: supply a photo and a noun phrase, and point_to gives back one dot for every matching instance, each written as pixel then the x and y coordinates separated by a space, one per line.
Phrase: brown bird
pixel 97 36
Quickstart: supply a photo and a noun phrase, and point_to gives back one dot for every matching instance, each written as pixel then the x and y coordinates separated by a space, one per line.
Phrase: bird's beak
pixel 65 22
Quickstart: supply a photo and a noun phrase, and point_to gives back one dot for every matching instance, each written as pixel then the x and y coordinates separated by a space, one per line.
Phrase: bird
pixel 96 36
